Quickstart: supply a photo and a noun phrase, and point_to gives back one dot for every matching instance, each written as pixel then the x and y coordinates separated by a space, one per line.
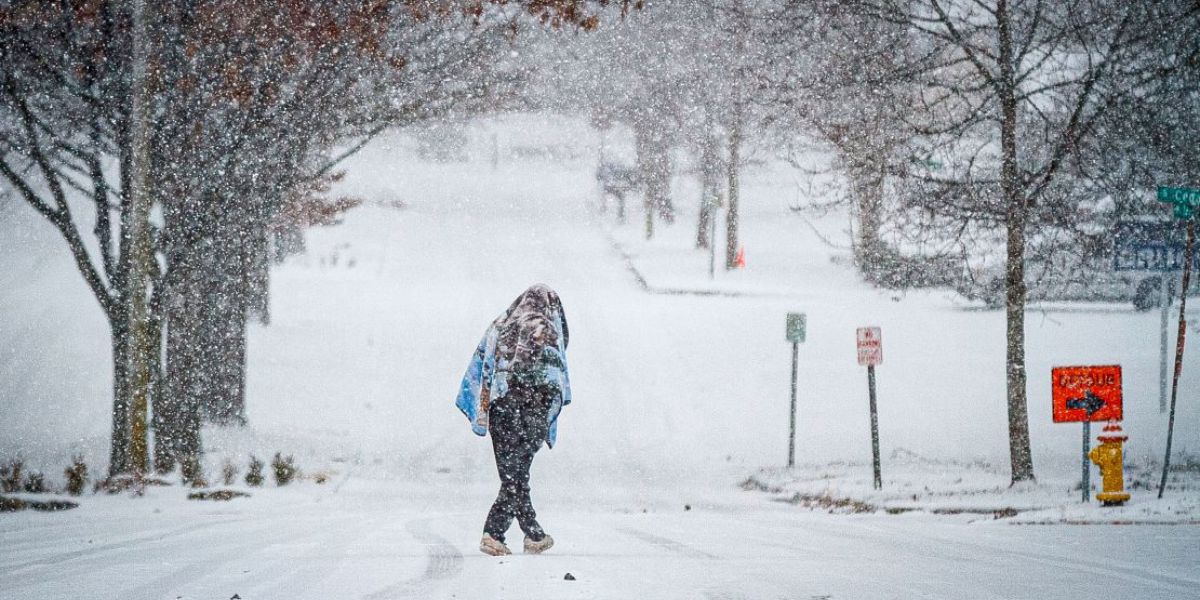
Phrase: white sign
pixel 870 346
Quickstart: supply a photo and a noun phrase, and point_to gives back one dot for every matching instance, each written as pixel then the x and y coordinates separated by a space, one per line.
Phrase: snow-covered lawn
pixel 941 386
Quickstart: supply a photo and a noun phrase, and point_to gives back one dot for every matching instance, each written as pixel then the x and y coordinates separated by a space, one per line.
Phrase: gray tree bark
pixel 1016 217
pixel 731 211
pixel 710 184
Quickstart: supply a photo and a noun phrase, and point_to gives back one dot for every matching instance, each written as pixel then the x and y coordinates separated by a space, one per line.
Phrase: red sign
pixel 870 346
pixel 1086 393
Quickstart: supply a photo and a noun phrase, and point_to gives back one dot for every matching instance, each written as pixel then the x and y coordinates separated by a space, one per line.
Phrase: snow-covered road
pixel 383 539
pixel 371 330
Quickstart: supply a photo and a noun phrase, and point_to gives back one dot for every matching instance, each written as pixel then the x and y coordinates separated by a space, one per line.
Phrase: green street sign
pixel 796 327
pixel 929 163
pixel 1186 200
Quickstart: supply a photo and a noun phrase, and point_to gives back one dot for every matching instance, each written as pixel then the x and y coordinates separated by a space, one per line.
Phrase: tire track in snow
pixel 127 544
pixel 147 574
pixel 442 561
pixel 668 544
pixel 246 546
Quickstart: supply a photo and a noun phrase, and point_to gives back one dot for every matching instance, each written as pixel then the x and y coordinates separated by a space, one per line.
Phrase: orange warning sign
pixel 1086 393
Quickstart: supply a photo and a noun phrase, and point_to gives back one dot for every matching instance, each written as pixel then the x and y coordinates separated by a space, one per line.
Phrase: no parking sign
pixel 870 354
pixel 870 346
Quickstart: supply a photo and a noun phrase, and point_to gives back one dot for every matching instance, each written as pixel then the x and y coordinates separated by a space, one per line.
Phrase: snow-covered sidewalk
pixel 979 489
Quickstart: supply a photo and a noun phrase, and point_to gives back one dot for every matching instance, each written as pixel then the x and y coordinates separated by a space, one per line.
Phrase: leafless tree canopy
pixel 962 135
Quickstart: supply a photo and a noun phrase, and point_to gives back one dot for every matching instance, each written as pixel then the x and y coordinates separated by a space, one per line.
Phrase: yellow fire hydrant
pixel 1110 457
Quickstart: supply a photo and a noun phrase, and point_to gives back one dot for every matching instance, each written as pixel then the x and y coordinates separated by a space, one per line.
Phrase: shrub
pixel 229 472
pixel 254 476
pixel 35 483
pixel 192 471
pixel 219 495
pixel 285 469
pixel 11 476
pixel 77 476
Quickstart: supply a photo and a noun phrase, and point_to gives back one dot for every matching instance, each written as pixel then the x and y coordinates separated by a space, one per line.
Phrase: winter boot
pixel 538 547
pixel 492 546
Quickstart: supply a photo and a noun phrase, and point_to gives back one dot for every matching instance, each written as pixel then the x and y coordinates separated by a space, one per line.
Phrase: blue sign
pixel 1149 247
pixel 1152 257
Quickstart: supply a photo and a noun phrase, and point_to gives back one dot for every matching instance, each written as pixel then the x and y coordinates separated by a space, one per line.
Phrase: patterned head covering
pixel 529 326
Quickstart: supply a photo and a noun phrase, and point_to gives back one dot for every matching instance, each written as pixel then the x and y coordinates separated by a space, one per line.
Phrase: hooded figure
pixel 515 387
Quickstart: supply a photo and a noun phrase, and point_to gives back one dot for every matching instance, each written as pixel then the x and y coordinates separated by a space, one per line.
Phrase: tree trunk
pixel 163 424
pixel 705 222
pixel 259 279
pixel 180 412
pixel 226 403
pixel 143 345
pixel 710 183
pixel 220 283
pixel 137 236
pixel 731 213
pixel 867 182
pixel 735 136
pixel 119 460
pixel 869 188
pixel 646 174
pixel 649 222
pixel 1016 215
pixel 238 294
pixel 654 171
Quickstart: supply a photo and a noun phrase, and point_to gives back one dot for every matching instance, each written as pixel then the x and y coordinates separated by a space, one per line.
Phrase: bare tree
pixel 65 88
pixel 250 104
pixel 1000 97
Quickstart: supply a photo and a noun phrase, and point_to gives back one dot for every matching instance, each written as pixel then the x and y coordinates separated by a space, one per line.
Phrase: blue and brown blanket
pixel 528 340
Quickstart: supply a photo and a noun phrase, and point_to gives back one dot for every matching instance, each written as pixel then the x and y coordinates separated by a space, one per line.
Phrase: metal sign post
pixel 1086 480
pixel 1165 298
pixel 1154 247
pixel 874 427
pixel 870 353
pixel 1090 403
pixel 1184 201
pixel 1187 273
pixel 796 332
pixel 1086 394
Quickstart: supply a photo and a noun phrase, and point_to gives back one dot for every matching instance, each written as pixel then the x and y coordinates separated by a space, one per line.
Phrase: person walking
pixel 515 386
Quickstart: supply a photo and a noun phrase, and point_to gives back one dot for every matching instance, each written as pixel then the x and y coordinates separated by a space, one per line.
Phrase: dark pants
pixel 517 423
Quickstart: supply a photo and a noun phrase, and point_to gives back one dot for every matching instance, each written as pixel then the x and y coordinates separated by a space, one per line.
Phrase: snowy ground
pixel 679 398
pixel 380 539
